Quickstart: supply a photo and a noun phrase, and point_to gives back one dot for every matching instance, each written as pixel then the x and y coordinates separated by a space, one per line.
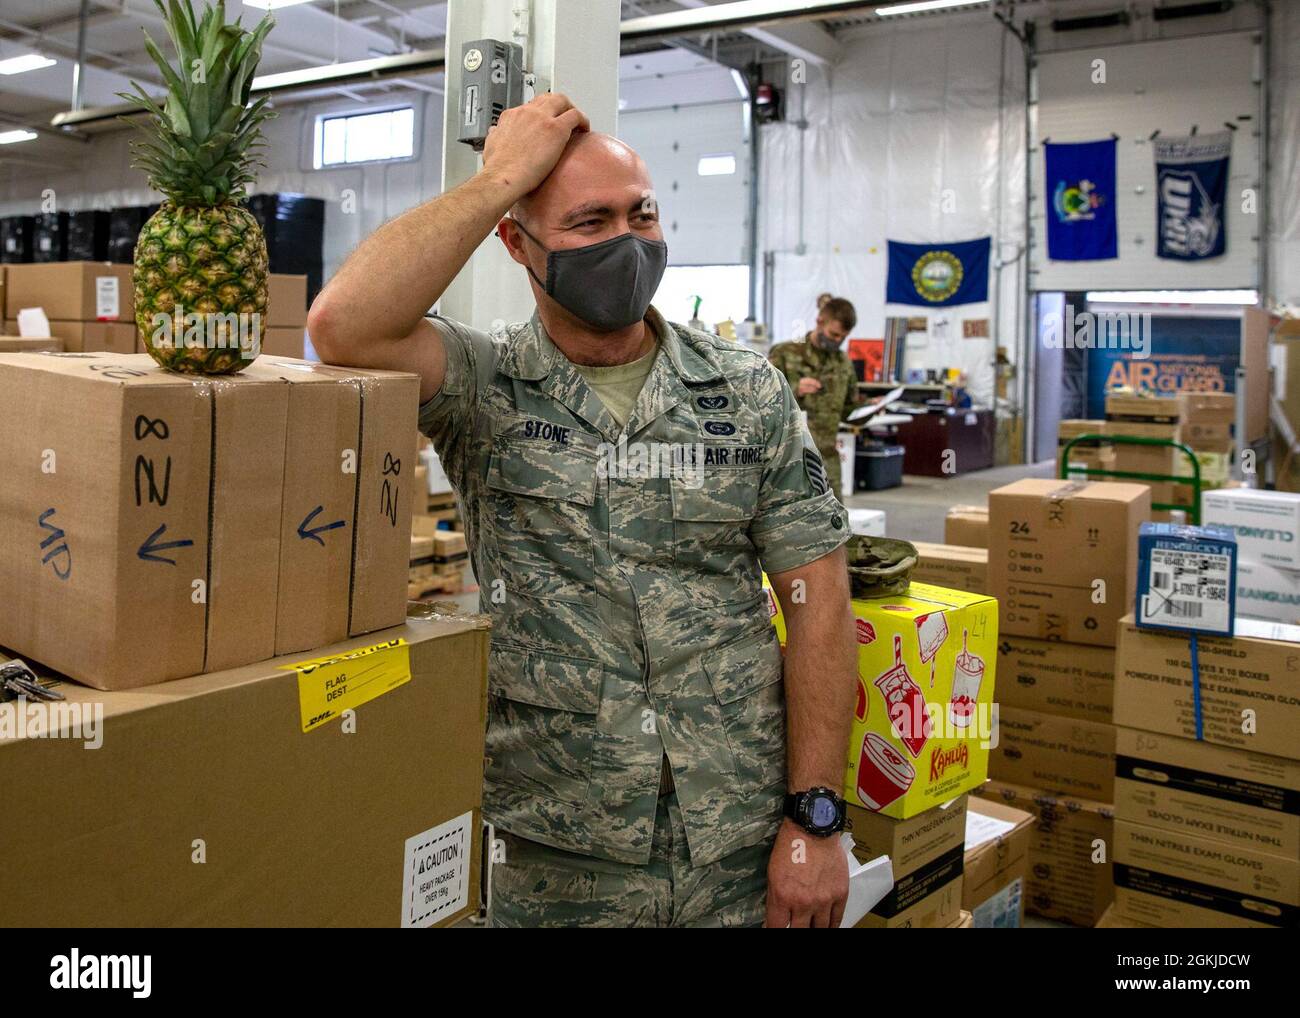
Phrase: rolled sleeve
pixel 799 519
pixel 447 417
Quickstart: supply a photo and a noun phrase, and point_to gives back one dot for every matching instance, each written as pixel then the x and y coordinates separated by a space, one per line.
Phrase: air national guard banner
pixel 1080 186
pixel 938 275
pixel 1191 187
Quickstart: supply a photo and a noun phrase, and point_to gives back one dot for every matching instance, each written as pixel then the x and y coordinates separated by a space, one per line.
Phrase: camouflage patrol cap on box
pixel 879 566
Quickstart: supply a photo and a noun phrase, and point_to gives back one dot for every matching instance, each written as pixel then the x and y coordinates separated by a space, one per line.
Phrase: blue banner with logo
pixel 938 275
pixel 1184 354
pixel 1080 186
pixel 1191 189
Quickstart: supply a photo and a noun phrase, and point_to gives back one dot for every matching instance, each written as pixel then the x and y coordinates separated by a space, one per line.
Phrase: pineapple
pixel 200 262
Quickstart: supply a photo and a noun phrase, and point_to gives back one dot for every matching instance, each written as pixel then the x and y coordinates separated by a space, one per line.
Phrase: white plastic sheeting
pixel 913 136
pixel 1283 199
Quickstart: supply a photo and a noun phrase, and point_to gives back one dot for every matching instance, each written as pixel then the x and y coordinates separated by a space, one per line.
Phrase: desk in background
pixel 970 434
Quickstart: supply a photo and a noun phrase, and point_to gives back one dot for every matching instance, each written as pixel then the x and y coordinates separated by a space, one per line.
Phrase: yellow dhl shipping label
pixel 327 686
pixel 923 723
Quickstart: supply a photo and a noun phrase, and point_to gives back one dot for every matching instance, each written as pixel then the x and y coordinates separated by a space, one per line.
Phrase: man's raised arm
pixel 371 314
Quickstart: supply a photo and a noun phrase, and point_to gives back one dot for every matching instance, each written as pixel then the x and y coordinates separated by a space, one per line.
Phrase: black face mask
pixel 608 285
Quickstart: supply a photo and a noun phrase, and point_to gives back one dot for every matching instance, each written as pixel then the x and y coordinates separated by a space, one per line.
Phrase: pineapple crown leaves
pixel 200 145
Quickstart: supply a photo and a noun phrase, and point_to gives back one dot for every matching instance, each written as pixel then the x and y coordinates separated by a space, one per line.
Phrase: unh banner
pixel 1191 190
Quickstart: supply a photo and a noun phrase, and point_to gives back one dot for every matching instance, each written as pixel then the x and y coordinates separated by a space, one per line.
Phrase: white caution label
pixel 435 880
pixel 107 299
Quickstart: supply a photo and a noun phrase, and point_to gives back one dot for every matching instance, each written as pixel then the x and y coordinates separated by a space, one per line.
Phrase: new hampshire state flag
pixel 938 275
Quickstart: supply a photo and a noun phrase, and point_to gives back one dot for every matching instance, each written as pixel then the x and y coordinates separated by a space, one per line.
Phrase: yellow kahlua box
pixel 923 723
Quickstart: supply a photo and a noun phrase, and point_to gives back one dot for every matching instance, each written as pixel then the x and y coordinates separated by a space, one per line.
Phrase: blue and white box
pixel 1187 578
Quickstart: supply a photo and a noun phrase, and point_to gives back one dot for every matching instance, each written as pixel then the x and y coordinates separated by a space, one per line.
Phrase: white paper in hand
pixel 868 883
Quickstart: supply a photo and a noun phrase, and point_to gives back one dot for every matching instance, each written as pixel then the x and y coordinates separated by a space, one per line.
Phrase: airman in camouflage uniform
pixel 628 619
pixel 823 378
pixel 623 483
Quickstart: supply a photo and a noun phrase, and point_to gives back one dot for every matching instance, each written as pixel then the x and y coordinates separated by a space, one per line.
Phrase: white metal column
pixel 572 47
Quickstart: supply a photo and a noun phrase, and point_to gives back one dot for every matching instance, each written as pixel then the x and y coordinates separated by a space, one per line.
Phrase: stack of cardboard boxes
pixel 286 315
pixel 1207 831
pixel 89 307
pixel 88 304
pixel 224 562
pixel 1089 454
pixel 1201 421
pixel 920 742
pixel 439 554
pixel 188 525
pixel 1063 566
pixel 996 865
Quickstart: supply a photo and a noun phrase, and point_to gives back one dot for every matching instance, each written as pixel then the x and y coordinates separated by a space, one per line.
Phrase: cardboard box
pixel 323 828
pixel 925 852
pixel 1051 542
pixel 1148 409
pixel 1141 429
pixel 1175 879
pixel 17 344
pixel 1267 523
pixel 88 337
pixel 996 863
pixel 356 571
pixel 1055 753
pixel 1113 919
pixel 1069 877
pixel 952 565
pixel 1258 670
pixel 1210 436
pixel 967 525
pixel 1246 799
pixel 284 342
pixel 1084 456
pixel 1267 592
pixel 71 291
pixel 923 718
pixel 286 302
pixel 1206 407
pixel 122 496
pixel 421 549
pixel 1067 679
pixel 319 505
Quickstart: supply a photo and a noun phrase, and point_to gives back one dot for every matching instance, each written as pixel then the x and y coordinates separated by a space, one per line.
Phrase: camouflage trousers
pixel 536 885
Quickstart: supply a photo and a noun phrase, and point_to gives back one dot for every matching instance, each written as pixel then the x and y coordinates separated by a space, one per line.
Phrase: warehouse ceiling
pixel 661 71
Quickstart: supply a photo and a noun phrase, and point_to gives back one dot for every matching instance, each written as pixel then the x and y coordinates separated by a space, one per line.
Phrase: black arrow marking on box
pixel 313 533
pixel 149 551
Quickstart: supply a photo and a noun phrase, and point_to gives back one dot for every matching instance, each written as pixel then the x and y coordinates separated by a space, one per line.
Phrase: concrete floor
pixel 915 511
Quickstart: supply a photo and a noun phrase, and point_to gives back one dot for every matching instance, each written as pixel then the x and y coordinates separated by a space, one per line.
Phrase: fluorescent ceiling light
pixel 273 5
pixel 919 5
pixel 1243 297
pixel 10 137
pixel 26 62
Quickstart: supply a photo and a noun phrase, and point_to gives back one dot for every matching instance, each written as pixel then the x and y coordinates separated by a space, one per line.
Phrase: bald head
pixel 592 162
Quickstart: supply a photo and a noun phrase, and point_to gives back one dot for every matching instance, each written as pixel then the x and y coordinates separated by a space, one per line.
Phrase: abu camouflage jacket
pixel 621 570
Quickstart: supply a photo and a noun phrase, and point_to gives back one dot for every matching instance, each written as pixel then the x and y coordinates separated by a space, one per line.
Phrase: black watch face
pixel 822 811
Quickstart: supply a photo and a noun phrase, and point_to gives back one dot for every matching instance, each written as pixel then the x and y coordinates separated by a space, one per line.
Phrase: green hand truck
pixel 1194 482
